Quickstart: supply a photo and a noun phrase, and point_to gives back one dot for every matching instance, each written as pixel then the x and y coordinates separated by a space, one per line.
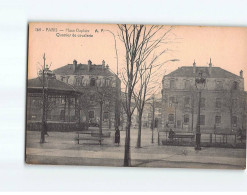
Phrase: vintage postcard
pixel 136 95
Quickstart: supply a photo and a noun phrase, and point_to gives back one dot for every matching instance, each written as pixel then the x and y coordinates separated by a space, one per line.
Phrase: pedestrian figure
pixel 171 134
pixel 43 133
pixel 46 129
pixel 117 136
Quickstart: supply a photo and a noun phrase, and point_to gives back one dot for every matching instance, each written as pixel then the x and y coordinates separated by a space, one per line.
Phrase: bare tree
pixel 148 87
pixel 140 42
pixel 102 95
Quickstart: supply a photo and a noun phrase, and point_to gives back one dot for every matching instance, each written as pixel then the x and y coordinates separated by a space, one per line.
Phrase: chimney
pixel 103 64
pixel 241 73
pixel 107 66
pixel 194 67
pixel 89 64
pixel 74 65
pixel 210 67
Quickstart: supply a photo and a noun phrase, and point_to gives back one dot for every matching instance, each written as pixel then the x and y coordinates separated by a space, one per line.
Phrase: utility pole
pixel 42 139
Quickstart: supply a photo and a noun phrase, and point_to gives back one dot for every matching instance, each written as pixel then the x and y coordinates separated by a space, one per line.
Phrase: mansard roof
pixel 216 72
pixel 82 69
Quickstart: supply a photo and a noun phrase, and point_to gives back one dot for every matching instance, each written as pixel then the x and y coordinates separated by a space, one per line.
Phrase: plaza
pixel 61 148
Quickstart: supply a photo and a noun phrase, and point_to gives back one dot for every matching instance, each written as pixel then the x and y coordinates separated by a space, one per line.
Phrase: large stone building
pixel 75 93
pixel 223 100
pixel 97 84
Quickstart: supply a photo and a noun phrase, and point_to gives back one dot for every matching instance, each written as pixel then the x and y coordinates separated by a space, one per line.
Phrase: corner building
pixel 223 100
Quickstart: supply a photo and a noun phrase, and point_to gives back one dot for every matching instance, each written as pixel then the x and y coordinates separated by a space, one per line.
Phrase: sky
pixel 64 42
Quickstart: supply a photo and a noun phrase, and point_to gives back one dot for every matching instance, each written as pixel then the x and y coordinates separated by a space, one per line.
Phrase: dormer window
pixel 219 85
pixel 107 82
pixel 172 84
pixel 78 81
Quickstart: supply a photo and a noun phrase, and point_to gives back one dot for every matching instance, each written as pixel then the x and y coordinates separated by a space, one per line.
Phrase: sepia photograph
pixel 134 95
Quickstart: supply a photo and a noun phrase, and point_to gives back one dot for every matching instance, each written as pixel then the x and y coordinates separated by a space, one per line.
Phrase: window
pixel 67 79
pixel 171 101
pixel 234 121
pixel 78 81
pixel 62 78
pixel 187 84
pixel 217 120
pixel 92 82
pixel 186 101
pixel 105 116
pixel 62 115
pixel 235 85
pixel 218 103
pixel 202 104
pixel 62 100
pixel 48 114
pixel 172 84
pixel 91 114
pixel 107 82
pixel 219 85
pixel 186 118
pixel 202 119
pixel 171 118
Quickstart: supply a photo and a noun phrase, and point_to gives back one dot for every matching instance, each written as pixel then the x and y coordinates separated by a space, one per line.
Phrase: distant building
pixel 89 79
pixel 223 100
pixel 147 115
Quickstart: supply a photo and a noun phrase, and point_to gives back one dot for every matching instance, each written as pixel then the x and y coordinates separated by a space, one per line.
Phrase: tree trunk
pixel 127 144
pixel 139 131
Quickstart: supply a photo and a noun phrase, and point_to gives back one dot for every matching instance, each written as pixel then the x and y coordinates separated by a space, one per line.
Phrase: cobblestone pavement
pixel 62 148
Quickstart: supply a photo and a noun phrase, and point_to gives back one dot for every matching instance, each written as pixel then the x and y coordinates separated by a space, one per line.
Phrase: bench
pixel 95 136
pixel 90 139
pixel 184 136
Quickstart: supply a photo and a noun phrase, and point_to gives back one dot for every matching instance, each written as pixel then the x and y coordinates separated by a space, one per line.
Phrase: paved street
pixel 62 148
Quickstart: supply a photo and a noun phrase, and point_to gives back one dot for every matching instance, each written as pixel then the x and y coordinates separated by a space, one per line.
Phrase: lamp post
pixel 117 117
pixel 200 84
pixel 175 106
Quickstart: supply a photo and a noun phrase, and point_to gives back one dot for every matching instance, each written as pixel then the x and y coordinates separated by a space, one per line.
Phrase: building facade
pixel 222 105
pixel 100 88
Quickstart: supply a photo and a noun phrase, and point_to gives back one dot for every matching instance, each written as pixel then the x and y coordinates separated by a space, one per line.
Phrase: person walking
pixel 117 136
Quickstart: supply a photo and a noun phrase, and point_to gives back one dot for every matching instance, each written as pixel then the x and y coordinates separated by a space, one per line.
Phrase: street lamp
pixel 175 106
pixel 200 84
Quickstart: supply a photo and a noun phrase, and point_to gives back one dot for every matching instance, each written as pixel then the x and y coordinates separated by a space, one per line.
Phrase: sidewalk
pixel 66 151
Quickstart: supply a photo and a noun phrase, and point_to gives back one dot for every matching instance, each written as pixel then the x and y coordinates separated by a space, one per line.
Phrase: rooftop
pixel 216 72
pixel 52 83
pixel 84 69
